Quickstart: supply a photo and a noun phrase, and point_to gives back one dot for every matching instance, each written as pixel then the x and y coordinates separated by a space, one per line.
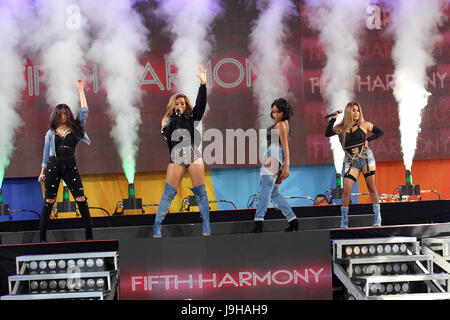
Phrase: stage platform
pixel 228 222
pixel 232 263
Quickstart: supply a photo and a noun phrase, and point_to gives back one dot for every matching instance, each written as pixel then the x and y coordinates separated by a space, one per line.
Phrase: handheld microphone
pixel 333 114
pixel 178 112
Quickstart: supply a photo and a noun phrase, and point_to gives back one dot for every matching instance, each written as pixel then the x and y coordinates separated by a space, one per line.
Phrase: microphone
pixel 178 112
pixel 332 114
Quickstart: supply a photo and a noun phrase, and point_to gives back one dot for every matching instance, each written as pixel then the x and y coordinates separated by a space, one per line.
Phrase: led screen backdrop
pixel 231 102
pixel 244 266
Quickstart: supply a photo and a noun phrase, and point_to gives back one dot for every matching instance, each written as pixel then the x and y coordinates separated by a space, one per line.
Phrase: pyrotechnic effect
pixel 340 24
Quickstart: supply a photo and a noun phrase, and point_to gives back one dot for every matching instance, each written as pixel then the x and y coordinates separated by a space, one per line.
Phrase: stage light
pixel 80 263
pixel 380 249
pixel 90 283
pixel 395 248
pixel 89 263
pixel 388 268
pixel 99 262
pixel 382 288
pixel 396 268
pixel 52 264
pixel 357 270
pixel 71 263
pixel 397 287
pixel 43 285
pixel 373 288
pixel 381 268
pixel 405 287
pixel 389 288
pixel 61 264
pixel 62 284
pixel 403 248
pixel 33 265
pixel 404 267
pixel 100 282
pixel 372 249
pixel 53 284
pixel 364 249
pixel 356 250
pixel 43 265
pixel 348 251
pixel 387 249
pixel 34 285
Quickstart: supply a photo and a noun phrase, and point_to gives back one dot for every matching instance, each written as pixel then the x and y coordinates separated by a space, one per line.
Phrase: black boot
pixel 258 227
pixel 45 216
pixel 293 226
pixel 84 210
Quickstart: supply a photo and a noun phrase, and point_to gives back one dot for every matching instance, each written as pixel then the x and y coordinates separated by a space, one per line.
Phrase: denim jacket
pixel 49 145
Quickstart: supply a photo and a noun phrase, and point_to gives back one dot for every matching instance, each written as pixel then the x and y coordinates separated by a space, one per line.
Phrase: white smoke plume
pixel 12 33
pixel 414 25
pixel 61 45
pixel 119 39
pixel 189 23
pixel 340 24
pixel 268 55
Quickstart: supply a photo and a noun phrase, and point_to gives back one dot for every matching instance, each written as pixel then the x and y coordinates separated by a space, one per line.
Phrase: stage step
pixel 99 281
pixel 65 276
pixel 96 295
pixel 374 247
pixel 369 269
pixel 414 296
pixel 59 262
pixel 441 244
pixel 383 264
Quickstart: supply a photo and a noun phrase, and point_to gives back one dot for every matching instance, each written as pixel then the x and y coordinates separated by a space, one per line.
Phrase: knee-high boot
pixel 164 204
pixel 377 215
pixel 45 216
pixel 86 216
pixel 203 204
pixel 344 217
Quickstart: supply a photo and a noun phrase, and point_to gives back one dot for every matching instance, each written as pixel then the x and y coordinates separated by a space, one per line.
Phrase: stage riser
pixel 180 230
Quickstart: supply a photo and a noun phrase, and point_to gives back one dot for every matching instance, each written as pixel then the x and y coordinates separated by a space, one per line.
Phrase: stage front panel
pixel 272 265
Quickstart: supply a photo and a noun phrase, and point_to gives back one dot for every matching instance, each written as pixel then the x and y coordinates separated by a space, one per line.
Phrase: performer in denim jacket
pixel 178 128
pixel 276 166
pixel 59 161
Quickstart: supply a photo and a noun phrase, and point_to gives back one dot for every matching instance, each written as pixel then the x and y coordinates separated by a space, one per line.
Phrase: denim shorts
pixel 360 163
pixel 274 151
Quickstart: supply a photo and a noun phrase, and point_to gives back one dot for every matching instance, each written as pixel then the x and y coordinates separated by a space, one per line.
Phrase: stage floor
pixel 394 215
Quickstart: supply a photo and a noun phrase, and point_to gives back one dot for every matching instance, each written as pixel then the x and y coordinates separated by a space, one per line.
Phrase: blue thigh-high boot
pixel 267 184
pixel 344 217
pixel 203 204
pixel 285 208
pixel 377 215
pixel 164 204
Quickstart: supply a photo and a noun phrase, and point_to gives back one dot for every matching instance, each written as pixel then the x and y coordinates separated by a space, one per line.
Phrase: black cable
pixel 100 209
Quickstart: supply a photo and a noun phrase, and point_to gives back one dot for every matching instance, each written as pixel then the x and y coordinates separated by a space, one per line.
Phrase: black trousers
pixel 66 169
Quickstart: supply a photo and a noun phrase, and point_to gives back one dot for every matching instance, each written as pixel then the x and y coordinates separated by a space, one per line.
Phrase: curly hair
pixel 74 124
pixel 171 105
pixel 284 107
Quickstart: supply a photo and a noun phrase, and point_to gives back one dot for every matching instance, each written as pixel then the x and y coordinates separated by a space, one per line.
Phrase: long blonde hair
pixel 347 121
pixel 171 105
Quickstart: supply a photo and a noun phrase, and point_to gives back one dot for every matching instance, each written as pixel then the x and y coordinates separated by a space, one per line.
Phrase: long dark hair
pixel 283 106
pixel 74 124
